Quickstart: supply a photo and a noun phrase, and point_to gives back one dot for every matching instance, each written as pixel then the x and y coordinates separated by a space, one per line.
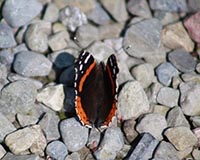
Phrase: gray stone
pixel 182 60
pixel 196 153
pixel 3 75
pixel 130 97
pixel 56 150
pixel 17 97
pixel 124 74
pixel 73 134
pixel 59 40
pixel 143 38
pixel 2 151
pixel 52 97
pixel 51 13
pixel 36 38
pixel 176 81
pixel 166 17
pixel 67 76
pixel 160 109
pixel 193 5
pixel 143 73
pixel 10 156
pixel 62 59
pixel 49 124
pixel 98 15
pixel 94 138
pixel 191 77
pixel 6 36
pixel 175 118
pixel 6 127
pixel 32 64
pixel 86 34
pixel 19 12
pixel 72 17
pixel 195 121
pixel 123 152
pixel 139 8
pixel 165 72
pixel 12 77
pixel 168 97
pixel 165 151
pixel 27 138
pixel 111 144
pixel 25 120
pixel 152 119
pixel 116 8
pixel 181 137
pixel 129 130
pixel 73 156
pixel 169 5
pixel 190 102
pixel 144 148
pixel 198 67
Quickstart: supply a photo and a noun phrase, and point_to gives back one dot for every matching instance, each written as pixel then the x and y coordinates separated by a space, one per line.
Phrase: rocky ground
pixel 156 43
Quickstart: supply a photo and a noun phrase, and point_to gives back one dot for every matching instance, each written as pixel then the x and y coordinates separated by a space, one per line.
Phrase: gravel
pixel 156 44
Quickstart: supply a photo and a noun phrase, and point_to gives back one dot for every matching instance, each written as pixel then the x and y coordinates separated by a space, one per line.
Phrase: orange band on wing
pixel 85 76
pixel 111 114
pixel 111 79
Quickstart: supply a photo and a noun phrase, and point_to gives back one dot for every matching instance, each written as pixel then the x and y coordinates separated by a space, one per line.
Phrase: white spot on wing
pixel 87 58
pixel 80 67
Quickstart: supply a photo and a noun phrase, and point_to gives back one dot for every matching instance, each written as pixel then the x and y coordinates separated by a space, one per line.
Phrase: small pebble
pixel 182 60
pixel 51 13
pixel 152 119
pixel 198 67
pixel 129 130
pixel 6 36
pixel 181 137
pixel 56 150
pixel 70 132
pixel 32 64
pixel 19 12
pixel 175 36
pixel 130 97
pixel 73 156
pixel 144 148
pixel 168 97
pixel 10 156
pixel 2 151
pixel 93 139
pixel 72 17
pixel 190 77
pixel 165 72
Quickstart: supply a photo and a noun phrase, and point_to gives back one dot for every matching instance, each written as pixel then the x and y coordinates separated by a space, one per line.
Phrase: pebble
pixel 72 17
pixel 182 60
pixel 193 5
pixel 181 137
pixel 62 37
pixel 116 8
pixel 85 6
pixel 111 144
pixel 17 97
pixel 74 156
pixel 166 17
pixel 190 77
pixel 175 118
pixel 129 130
pixel 62 59
pixel 152 119
pixel 176 80
pixel 51 13
pixel 10 156
pixel 67 76
pixel 14 10
pixel 52 97
pixel 198 67
pixel 6 127
pixel 56 150
pixel 192 25
pixel 6 36
pixel 195 121
pixel 139 8
pixel 144 73
pixel 49 125
pixel 165 151
pixel 2 151
pixel 160 109
pixel 155 60
pixel 25 120
pixel 70 130
pixel 86 35
pixel 36 39
pixel 165 72
pixel 169 5
pixel 144 148
pixel 94 138
pixel 130 97
pixel 168 96
pixel 196 154
pixel 28 138
pixel 32 64
pixel 175 36
pixel 98 15
pixel 190 101
pixel 143 38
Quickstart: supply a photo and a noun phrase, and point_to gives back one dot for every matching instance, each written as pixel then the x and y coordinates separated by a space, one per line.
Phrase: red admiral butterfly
pixel 95 89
